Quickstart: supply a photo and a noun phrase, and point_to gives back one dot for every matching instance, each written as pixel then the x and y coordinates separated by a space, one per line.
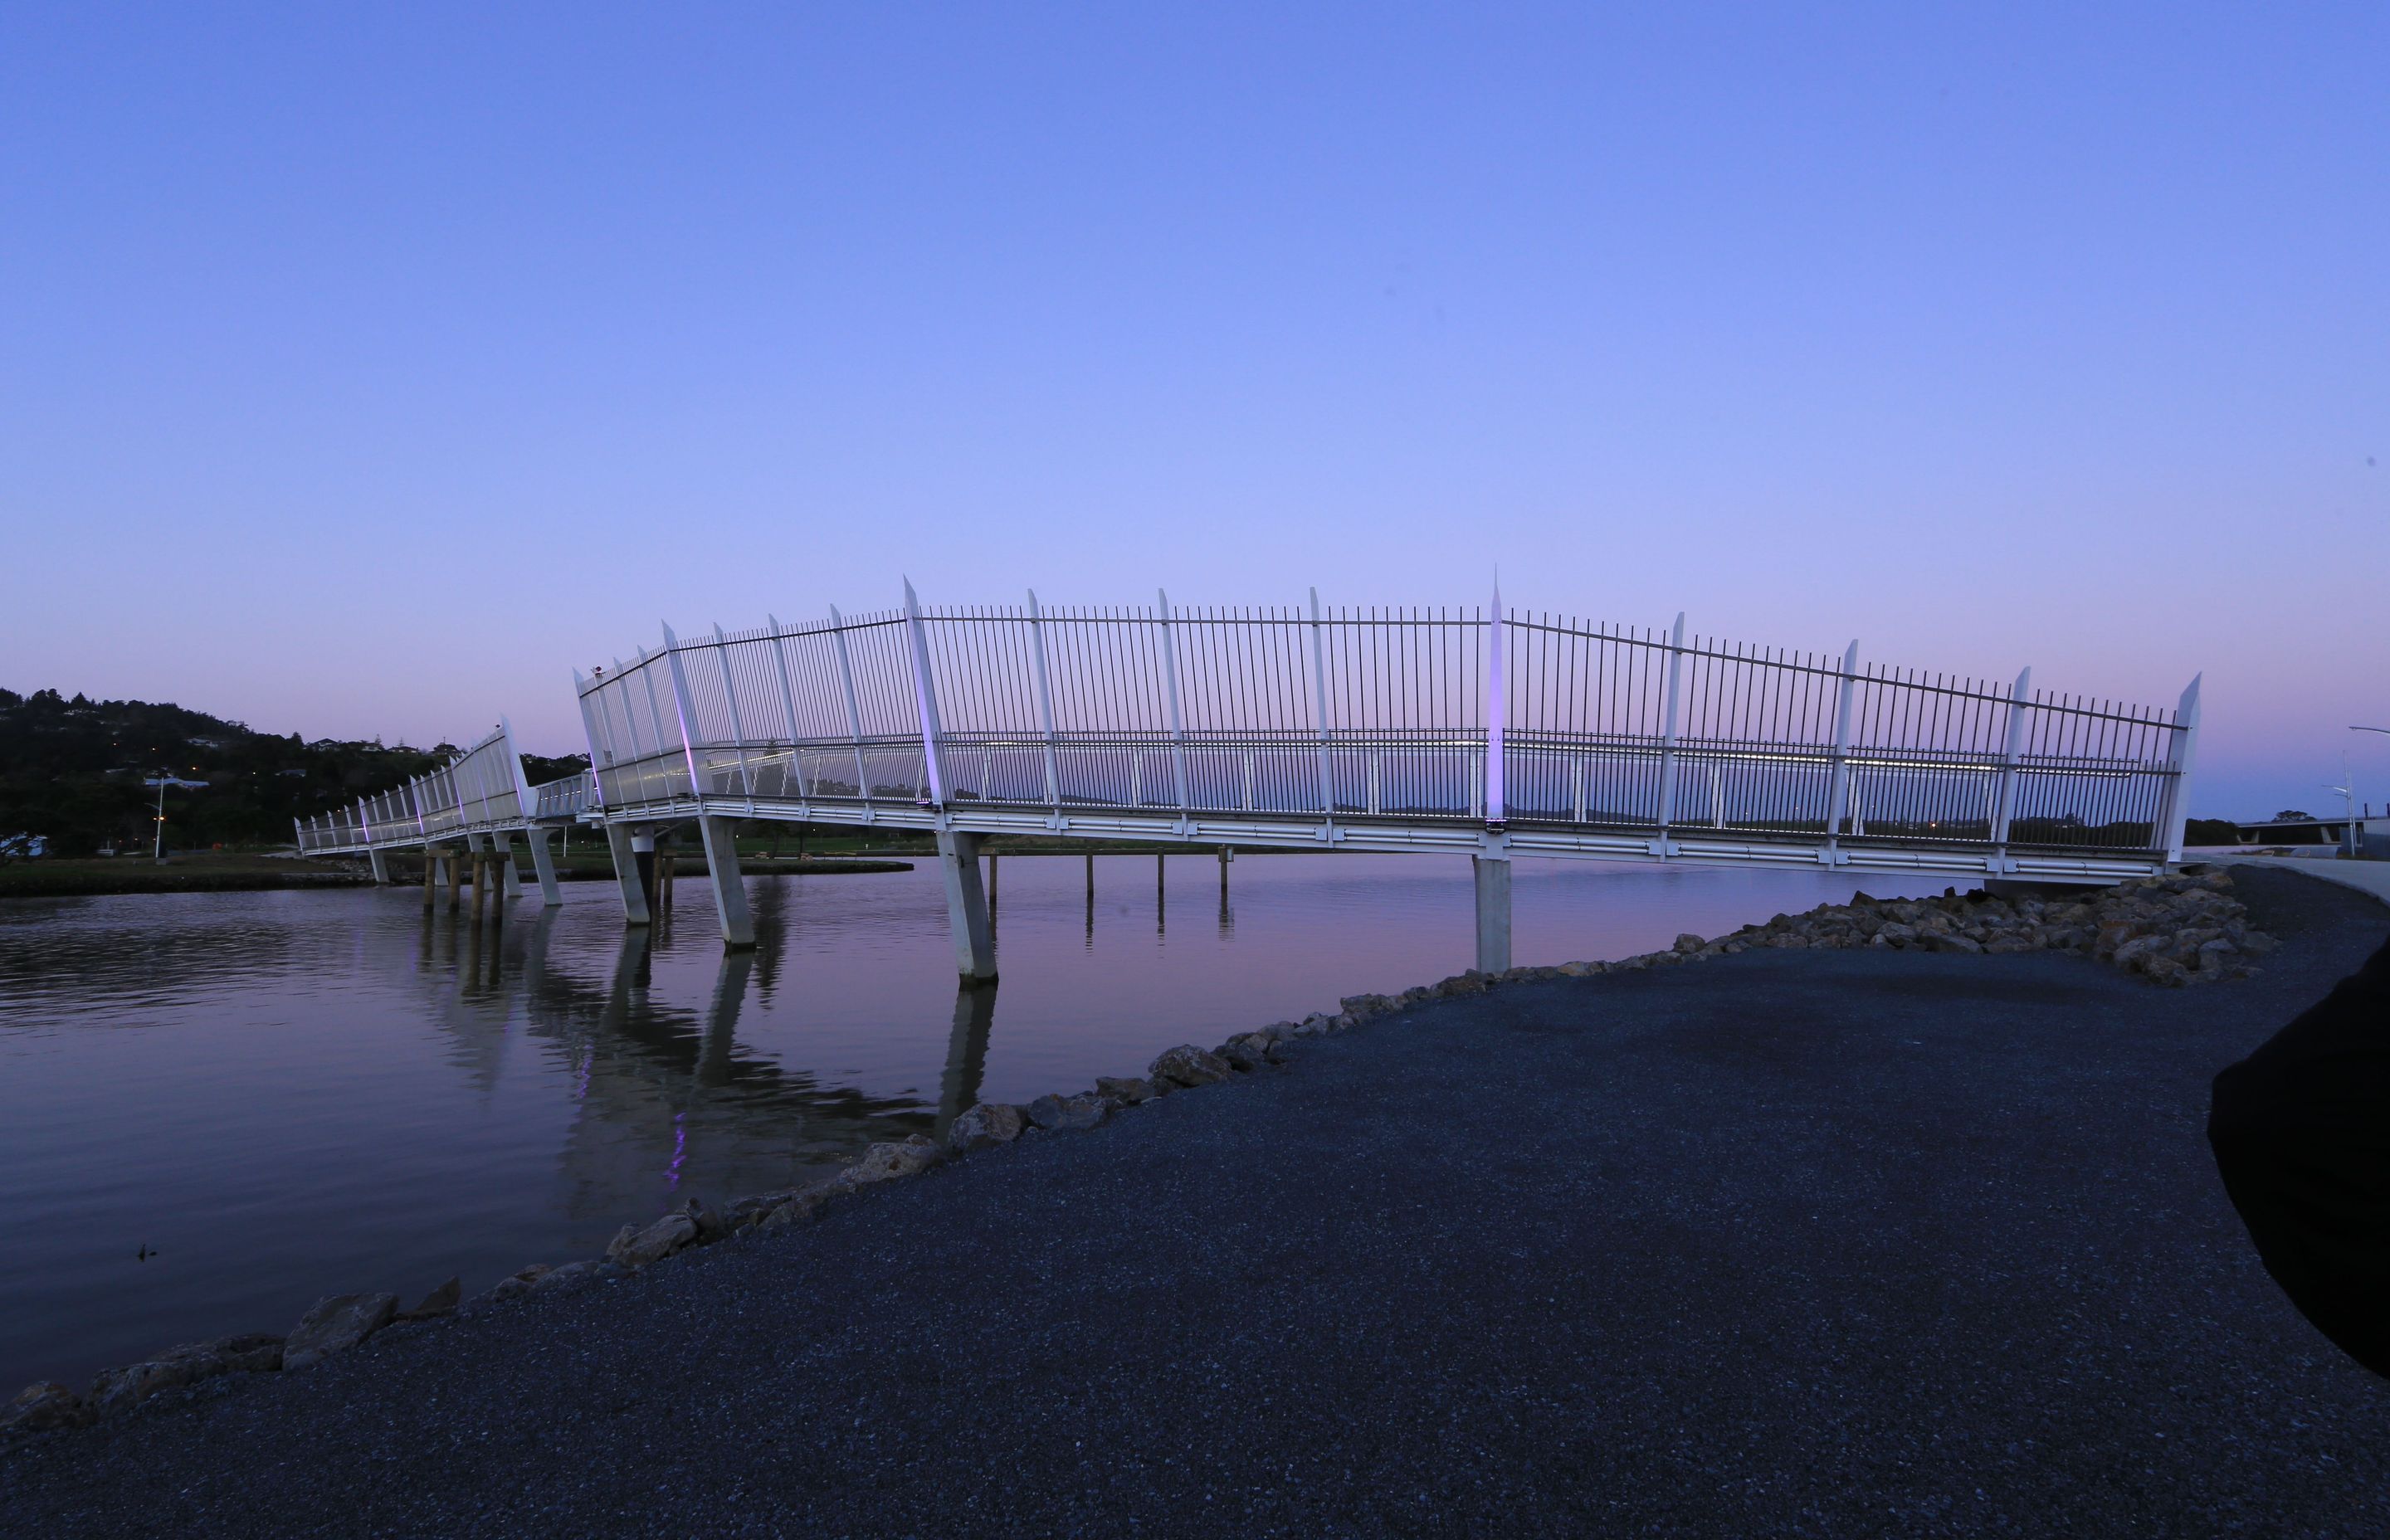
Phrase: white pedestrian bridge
pixel 1492 733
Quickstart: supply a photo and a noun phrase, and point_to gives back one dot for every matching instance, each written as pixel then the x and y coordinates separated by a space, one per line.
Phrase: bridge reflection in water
pixel 661 1089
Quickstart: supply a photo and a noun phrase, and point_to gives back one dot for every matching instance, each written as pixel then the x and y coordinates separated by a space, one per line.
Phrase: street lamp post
pixel 162 781
pixel 2355 843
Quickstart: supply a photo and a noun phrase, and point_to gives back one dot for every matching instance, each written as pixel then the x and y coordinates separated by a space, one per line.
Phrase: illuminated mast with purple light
pixel 1495 705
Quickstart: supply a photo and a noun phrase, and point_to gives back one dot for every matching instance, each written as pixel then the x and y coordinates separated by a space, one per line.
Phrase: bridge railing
pixel 1421 716
pixel 566 797
pixel 481 788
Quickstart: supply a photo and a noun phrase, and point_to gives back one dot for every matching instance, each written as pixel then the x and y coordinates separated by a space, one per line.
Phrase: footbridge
pixel 472 806
pixel 1493 733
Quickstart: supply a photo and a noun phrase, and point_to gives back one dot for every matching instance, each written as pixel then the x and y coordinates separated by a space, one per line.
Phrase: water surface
pixel 286 1095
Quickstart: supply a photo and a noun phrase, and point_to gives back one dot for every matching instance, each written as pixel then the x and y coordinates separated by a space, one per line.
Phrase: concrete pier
pixel 1493 912
pixel 634 856
pixel 729 886
pixel 379 863
pixel 966 907
pixel 542 863
pixel 501 841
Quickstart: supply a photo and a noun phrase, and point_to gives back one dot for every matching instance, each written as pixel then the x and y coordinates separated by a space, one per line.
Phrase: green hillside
pixel 72 768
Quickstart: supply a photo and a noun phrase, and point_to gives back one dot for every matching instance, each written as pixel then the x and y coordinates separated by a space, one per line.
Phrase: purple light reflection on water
pixel 290 1094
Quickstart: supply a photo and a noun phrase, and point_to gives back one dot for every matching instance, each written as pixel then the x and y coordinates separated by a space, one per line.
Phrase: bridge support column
pixel 477 858
pixel 542 861
pixel 729 885
pixel 380 869
pixel 635 856
pixel 966 907
pixel 1493 912
pixel 509 875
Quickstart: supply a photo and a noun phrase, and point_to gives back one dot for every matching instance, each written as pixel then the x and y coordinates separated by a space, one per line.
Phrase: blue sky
pixel 363 372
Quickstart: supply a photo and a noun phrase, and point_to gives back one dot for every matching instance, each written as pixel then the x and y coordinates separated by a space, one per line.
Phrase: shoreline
pixel 1510 1258
pixel 2181 931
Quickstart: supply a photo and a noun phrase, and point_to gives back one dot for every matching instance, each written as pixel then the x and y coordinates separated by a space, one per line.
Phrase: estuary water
pixel 215 1109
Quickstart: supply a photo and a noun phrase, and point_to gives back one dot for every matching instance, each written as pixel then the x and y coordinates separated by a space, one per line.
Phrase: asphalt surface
pixel 1789 1243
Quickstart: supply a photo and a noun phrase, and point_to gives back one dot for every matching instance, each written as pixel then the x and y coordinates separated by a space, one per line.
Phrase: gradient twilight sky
pixel 362 370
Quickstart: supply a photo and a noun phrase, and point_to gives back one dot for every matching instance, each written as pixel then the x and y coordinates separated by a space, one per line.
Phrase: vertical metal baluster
pixel 788 707
pixel 1319 705
pixel 1668 733
pixel 2181 753
pixel 2006 794
pixel 1177 729
pixel 853 708
pixel 1045 704
pixel 926 700
pixel 655 711
pixel 697 787
pixel 1847 693
pixel 1496 712
pixel 738 724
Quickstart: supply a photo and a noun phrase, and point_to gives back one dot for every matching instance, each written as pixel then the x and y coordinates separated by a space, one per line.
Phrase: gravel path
pixel 1838 1243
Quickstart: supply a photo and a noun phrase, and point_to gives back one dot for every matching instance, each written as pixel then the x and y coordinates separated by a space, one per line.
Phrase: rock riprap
pixel 1187 1066
pixel 985 1123
pixel 336 1325
pixel 2181 929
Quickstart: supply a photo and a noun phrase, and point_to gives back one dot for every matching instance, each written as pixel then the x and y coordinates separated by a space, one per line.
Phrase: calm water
pixel 293 1094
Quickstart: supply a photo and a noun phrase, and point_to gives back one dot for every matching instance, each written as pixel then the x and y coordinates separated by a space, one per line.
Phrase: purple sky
pixel 365 375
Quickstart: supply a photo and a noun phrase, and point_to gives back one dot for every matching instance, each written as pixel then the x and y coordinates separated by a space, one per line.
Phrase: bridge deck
pixel 1492 733
pixel 1384 730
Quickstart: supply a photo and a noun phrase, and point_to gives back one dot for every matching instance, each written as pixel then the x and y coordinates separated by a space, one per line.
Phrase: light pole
pixel 2348 797
pixel 162 780
pixel 2356 845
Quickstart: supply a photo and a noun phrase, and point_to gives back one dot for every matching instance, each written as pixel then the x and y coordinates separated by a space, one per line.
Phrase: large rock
pixel 252 1352
pixel 1248 1051
pixel 1056 1114
pixel 635 1247
pixel 889 1161
pixel 2130 953
pixel 45 1404
pixel 515 1286
pixel 574 1274
pixel 1691 943
pixel 986 1122
pixel 805 1203
pixel 1124 1092
pixel 711 1225
pixel 439 1302
pixel 802 1205
pixel 122 1390
pixel 336 1325
pixel 1189 1066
